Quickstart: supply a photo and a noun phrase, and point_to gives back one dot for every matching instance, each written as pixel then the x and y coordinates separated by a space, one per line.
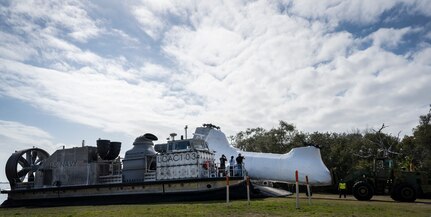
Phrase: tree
pixel 417 149
pixel 346 151
pixel 276 140
pixel 247 140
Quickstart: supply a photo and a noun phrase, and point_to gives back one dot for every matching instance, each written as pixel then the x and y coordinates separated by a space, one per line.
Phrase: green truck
pixel 402 185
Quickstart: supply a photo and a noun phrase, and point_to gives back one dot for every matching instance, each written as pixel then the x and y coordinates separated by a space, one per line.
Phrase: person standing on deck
pixel 231 165
pixel 222 168
pixel 239 161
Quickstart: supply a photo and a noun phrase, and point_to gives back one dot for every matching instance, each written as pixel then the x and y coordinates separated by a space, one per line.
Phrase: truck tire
pixel 363 190
pixel 404 193
pixel 394 194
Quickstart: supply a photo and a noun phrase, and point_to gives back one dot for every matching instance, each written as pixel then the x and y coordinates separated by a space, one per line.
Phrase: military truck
pixel 402 185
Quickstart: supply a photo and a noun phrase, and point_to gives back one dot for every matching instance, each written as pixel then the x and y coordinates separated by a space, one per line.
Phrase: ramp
pixel 266 191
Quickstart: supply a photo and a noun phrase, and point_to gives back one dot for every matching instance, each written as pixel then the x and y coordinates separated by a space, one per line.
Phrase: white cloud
pixel 236 64
pixel 154 15
pixel 338 10
pixel 13 48
pixel 151 24
pixel 389 37
pixel 94 99
pixel 45 32
pixel 152 71
pixel 378 84
pixel 423 56
pixel 132 41
pixel 357 12
pixel 289 68
pixel 55 16
pixel 17 136
pixel 335 45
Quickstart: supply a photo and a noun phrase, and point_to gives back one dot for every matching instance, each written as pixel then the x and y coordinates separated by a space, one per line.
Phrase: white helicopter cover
pixel 275 167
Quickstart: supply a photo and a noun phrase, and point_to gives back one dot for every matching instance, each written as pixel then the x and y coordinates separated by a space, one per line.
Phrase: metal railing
pixel 237 170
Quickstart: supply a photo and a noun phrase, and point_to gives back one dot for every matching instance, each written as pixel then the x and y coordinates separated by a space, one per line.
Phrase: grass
pixel 263 207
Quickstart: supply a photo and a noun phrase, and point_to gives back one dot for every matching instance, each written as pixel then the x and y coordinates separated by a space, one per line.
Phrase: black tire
pixel 363 190
pixel 404 193
pixel 394 194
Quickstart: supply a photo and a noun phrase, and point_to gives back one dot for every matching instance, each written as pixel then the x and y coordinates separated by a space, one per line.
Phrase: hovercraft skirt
pixel 128 193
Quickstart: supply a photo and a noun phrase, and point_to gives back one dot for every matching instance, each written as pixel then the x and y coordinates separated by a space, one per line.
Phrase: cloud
pixel 236 64
pixel 298 70
pixel 151 24
pixel 45 33
pixel 423 57
pixel 362 12
pixel 13 48
pixel 155 16
pixel 355 12
pixel 127 38
pixel 17 136
pixel 376 83
pixel 93 98
pixel 390 38
pixel 68 17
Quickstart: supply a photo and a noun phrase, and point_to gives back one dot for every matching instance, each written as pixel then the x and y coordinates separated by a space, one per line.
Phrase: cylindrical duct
pixel 103 147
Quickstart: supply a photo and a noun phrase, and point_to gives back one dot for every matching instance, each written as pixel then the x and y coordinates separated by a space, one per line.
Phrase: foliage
pixel 276 140
pixel 416 149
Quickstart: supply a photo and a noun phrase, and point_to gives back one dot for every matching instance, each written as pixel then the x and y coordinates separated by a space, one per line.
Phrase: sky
pixel 83 70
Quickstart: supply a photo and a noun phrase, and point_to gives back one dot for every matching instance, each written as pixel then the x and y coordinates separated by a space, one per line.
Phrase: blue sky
pixel 74 70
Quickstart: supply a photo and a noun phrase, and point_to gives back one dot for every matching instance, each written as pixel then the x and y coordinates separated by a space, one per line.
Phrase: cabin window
pixel 170 146
pixel 181 145
pixel 200 144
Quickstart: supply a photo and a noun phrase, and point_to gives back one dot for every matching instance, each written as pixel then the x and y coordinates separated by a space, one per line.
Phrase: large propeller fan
pixel 22 165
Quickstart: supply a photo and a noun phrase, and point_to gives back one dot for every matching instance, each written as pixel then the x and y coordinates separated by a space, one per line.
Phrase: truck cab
pixel 402 185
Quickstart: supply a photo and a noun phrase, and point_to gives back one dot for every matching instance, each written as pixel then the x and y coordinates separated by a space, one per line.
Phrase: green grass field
pixel 262 207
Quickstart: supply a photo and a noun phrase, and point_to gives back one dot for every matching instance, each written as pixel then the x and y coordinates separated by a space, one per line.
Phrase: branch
pixel 363 156
pixel 379 134
pixel 381 128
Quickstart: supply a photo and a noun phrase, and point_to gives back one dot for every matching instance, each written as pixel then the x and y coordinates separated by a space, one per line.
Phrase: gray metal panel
pixel 74 166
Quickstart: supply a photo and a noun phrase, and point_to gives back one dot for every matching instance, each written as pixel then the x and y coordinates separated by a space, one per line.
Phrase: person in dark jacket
pixel 222 167
pixel 239 162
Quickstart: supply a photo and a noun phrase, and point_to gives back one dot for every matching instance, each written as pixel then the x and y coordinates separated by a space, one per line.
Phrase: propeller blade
pixel 33 156
pixel 23 172
pixel 28 156
pixel 23 162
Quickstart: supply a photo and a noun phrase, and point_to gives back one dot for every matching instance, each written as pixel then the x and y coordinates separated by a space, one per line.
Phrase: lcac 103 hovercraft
pixel 179 170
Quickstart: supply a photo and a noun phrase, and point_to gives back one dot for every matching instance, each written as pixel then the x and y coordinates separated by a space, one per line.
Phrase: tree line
pixel 347 151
